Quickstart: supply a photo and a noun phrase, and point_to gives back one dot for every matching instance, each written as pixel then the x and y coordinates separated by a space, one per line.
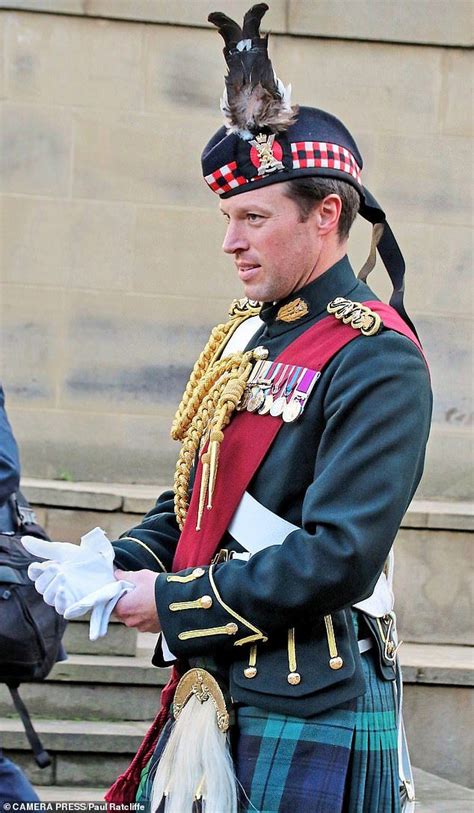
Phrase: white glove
pixel 78 578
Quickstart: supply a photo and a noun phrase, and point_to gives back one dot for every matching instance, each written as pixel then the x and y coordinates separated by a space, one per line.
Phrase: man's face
pixel 275 253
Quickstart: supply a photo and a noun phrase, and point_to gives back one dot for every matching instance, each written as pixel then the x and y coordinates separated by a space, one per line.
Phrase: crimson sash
pixel 249 436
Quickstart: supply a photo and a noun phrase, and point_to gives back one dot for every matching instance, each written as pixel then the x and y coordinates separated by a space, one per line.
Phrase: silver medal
pixel 278 406
pixel 292 410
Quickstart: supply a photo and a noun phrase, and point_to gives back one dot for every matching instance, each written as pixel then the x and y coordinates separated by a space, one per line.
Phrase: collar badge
pixel 292 311
pixel 266 154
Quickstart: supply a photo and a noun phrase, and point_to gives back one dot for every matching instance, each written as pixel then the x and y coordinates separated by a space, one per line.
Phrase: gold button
pixel 294 678
pixel 250 671
pixel 198 571
pixel 206 602
pixel 336 663
pixel 231 628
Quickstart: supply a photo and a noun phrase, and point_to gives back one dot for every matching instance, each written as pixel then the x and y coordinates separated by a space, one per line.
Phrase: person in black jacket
pixel 14 786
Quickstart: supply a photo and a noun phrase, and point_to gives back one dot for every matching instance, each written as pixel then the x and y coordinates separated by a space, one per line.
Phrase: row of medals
pixel 273 389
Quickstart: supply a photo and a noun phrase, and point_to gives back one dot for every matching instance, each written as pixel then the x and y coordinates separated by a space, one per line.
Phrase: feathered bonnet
pixel 266 140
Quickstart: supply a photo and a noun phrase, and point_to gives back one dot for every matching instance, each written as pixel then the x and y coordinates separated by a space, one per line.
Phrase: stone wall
pixel 111 270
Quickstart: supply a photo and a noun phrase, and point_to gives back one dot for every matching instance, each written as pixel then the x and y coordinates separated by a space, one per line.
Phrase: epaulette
pixel 355 314
pixel 244 307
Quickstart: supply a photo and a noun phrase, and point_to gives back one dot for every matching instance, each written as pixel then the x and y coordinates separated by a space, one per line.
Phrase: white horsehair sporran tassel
pixel 196 763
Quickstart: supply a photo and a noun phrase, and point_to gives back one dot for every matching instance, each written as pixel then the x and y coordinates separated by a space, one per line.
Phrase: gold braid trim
pixel 212 393
pixel 239 311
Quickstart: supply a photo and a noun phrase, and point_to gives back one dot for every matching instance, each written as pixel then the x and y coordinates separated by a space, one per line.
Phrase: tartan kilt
pixel 341 761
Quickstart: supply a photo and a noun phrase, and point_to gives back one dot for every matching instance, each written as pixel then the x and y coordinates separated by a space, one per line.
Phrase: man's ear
pixel 328 213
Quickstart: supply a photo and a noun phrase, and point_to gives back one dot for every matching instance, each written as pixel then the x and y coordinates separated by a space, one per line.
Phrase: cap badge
pixel 266 154
pixel 292 311
pixel 355 314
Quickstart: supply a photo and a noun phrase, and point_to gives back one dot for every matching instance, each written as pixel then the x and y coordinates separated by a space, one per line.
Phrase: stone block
pixel 439 730
pixel 89 769
pixel 46 64
pixel 437 664
pixel 425 179
pixel 436 795
pixel 109 670
pixel 133 353
pixel 440 515
pixel 136 158
pixel 72 496
pixel 120 640
pixel 95 445
pixel 129 497
pixel 175 85
pixel 56 6
pixel 69 525
pixel 439 261
pixel 89 702
pixel 83 794
pixel 3 19
pixel 35 241
pixel 37 776
pixel 166 264
pixel 433 586
pixel 448 470
pixel 335 75
pixel 135 504
pixel 86 736
pixel 457 90
pixel 35 150
pixel 418 21
pixel 83 244
pixel 448 349
pixel 182 12
pixel 31 323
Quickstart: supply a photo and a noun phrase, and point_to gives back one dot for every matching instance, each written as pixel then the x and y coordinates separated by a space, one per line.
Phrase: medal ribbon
pixel 291 382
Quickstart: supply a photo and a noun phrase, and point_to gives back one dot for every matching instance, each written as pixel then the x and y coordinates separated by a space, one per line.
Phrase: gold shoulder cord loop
pixel 355 314
pixel 212 393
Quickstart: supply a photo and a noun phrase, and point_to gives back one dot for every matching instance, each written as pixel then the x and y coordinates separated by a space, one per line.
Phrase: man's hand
pixel 138 608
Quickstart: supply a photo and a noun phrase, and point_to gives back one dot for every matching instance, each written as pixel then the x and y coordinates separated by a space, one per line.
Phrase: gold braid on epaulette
pixel 212 393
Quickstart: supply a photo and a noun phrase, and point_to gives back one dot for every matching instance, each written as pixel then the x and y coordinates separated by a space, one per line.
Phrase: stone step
pixel 438 708
pixel 94 687
pixel 120 640
pixel 83 752
pixel 437 704
pixel 433 584
pixel 433 548
pixel 434 794
pixel 61 793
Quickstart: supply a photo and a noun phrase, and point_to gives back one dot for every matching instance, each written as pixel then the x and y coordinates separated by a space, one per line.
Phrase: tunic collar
pixel 310 300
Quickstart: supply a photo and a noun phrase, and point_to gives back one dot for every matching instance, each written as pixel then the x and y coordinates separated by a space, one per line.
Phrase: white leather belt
pixel 255 528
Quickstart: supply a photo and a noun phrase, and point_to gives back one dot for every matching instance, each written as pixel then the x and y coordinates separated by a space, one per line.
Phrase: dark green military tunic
pixel 344 473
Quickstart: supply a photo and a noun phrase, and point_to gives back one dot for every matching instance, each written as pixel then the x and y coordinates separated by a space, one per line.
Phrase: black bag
pixel 30 630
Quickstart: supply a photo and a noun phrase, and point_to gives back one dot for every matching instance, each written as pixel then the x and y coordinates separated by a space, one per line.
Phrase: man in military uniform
pixel 303 431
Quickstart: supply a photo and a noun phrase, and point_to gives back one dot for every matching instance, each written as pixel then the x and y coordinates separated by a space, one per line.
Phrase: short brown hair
pixel 307 192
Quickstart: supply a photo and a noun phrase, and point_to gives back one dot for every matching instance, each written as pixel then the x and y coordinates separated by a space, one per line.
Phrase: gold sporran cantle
pixel 196 765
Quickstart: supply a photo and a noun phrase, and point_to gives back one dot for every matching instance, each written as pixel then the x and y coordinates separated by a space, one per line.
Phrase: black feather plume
pixel 254 98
